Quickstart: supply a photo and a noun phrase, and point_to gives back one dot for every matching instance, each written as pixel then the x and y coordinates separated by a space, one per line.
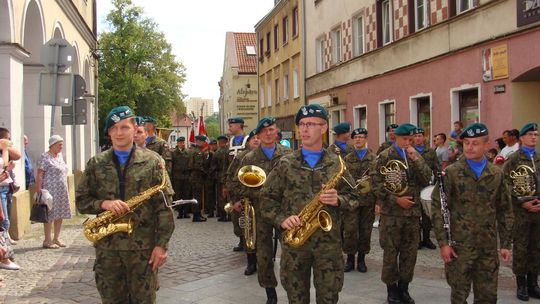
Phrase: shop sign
pixel 528 11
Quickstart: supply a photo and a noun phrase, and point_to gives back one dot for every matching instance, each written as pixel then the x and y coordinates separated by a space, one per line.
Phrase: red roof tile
pixel 247 64
pixel 180 120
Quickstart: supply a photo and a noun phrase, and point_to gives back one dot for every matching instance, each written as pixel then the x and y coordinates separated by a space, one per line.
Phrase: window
pixel 267 44
pixel 286 87
pixel 276 30
pixel 358 32
pixel 336 46
pixel 423 114
pixel 269 91
pixel 420 14
pixel 360 116
pixel 261 48
pixel 261 96
pixel 463 5
pixel 387 116
pixel 386 22
pixel 285 29
pixel 296 88
pixel 295 21
pixel 320 54
pixel 250 50
pixel 276 86
pixel 468 107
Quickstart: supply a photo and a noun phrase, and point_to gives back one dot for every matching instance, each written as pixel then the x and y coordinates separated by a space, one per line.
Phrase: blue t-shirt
pixel 342 145
pixel 312 157
pixel 420 149
pixel 400 151
pixel 529 151
pixel 149 139
pixel 269 152
pixel 122 156
pixel 237 140
pixel 361 153
pixel 477 166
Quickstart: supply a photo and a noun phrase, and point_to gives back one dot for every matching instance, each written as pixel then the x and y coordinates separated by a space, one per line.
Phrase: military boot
pixel 426 242
pixel 271 296
pixel 404 293
pixel 361 263
pixel 197 217
pixel 393 294
pixel 252 264
pixel 240 246
pixel 349 265
pixel 532 284
pixel 522 293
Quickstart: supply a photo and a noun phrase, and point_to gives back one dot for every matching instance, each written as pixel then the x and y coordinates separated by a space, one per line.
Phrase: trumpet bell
pixel 251 176
pixel 325 220
pixel 228 207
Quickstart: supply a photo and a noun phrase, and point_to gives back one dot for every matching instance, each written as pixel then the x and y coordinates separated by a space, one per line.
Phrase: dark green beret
pixel 222 137
pixel 532 126
pixel 236 120
pixel 392 126
pixel 139 120
pixel 150 119
pixel 200 137
pixel 358 131
pixel 117 114
pixel 342 128
pixel 474 130
pixel 405 129
pixel 251 134
pixel 420 131
pixel 312 110
pixel 181 138
pixel 279 134
pixel 213 142
pixel 265 122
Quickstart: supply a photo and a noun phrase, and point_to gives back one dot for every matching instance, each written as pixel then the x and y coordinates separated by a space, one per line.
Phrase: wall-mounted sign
pixel 495 63
pixel 498 89
pixel 528 11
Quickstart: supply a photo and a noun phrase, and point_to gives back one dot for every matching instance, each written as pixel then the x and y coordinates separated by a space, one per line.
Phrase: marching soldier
pixel 140 132
pixel 398 175
pixel 430 156
pixel 210 182
pixel 391 138
pixel 126 265
pixel 266 157
pixel 181 176
pixel 157 144
pixel 219 160
pixel 342 133
pixel 198 166
pixel 358 223
pixel 521 177
pixel 473 211
pixel 293 183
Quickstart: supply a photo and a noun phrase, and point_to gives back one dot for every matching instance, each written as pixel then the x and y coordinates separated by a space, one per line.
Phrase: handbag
pixel 39 212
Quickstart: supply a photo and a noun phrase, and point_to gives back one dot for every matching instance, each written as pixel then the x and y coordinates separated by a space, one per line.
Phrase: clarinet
pixel 444 208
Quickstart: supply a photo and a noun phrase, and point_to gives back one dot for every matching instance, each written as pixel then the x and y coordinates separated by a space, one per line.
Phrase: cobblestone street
pixel 201 268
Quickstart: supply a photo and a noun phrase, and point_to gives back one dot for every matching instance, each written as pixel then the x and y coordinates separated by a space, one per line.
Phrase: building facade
pixel 25 26
pixel 428 62
pixel 238 85
pixel 194 104
pixel 281 62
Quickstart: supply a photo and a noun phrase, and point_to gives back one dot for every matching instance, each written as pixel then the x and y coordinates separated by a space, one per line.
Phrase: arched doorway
pixel 526 98
pixel 7 27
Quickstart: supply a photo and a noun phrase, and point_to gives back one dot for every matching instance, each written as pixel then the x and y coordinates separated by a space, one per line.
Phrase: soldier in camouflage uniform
pixel 292 184
pixel 476 210
pixel 358 223
pixel 526 207
pixel 140 132
pixel 397 188
pixel 126 266
pixel 342 133
pixel 430 156
pixel 391 138
pixel 219 161
pixel 157 144
pixel 266 157
pixel 181 178
pixel 199 164
pixel 210 183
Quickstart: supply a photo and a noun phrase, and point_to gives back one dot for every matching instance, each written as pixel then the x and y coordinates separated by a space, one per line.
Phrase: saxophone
pixel 106 223
pixel 312 216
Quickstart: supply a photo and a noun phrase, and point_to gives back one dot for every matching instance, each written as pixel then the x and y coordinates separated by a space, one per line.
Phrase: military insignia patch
pixel 115 118
pixel 470 132
pixel 304 111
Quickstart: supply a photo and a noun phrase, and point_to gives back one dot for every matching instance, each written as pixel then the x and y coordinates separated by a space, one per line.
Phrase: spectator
pixel 52 175
pixel 455 135
pixel 510 138
pixel 442 150
pixel 500 144
pixel 491 153
pixel 28 169
pixel 5 179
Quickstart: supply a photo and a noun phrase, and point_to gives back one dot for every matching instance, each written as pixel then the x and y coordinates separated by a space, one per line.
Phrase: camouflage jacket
pixel 162 148
pixel 358 168
pixel 476 208
pixel 512 162
pixel 180 164
pixel 418 175
pixel 385 145
pixel 258 158
pixel 332 148
pixel 293 184
pixel 153 221
pixel 430 156
pixel 199 164
pixel 219 162
pixel 232 176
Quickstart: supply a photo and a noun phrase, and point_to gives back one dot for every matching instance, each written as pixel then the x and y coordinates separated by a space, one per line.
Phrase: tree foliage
pixel 137 67
pixel 211 124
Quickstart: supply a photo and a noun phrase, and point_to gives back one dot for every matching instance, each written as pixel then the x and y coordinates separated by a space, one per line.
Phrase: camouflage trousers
pixel 265 252
pixel 357 227
pixel 295 273
pixel 477 266
pixel 199 193
pixel 124 276
pixel 210 195
pixel 182 190
pixel 526 242
pixel 221 200
pixel 425 221
pixel 235 218
pixel 398 236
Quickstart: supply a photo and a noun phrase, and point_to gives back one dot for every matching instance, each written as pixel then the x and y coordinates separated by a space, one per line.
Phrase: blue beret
pixel 150 119
pixel 359 131
pixel 405 129
pixel 181 138
pixel 532 126
pixel 200 137
pixel 391 126
pixel 342 128
pixel 236 120
pixel 265 122
pixel 312 110
pixel 474 130
pixel 117 114
pixel 222 137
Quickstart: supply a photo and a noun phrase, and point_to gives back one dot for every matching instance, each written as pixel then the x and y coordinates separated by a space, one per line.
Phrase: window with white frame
pixel 286 87
pixel 276 86
pixel 320 54
pixel 463 5
pixel 360 115
pixel 261 96
pixel 358 31
pixel 296 88
pixel 420 14
pixel 468 106
pixel 336 45
pixel 387 18
pixel 269 91
pixel 387 116
pixel 295 22
pixel 285 29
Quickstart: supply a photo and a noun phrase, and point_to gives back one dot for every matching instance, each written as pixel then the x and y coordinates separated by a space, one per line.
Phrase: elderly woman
pixel 52 176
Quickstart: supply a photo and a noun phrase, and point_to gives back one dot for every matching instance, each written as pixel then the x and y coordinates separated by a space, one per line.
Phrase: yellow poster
pixel 495 63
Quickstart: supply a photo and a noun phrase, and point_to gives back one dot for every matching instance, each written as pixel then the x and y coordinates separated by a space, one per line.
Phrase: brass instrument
pixel 106 223
pixel 395 177
pixel 163 133
pixel 524 183
pixel 364 182
pixel 313 216
pixel 251 176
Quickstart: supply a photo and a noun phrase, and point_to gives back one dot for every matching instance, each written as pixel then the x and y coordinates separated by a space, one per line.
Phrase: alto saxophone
pixel 107 223
pixel 312 216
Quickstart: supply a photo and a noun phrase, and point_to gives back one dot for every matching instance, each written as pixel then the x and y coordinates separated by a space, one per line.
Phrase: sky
pixel 196 30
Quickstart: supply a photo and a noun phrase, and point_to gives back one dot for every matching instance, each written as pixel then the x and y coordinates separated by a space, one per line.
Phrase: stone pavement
pixel 201 268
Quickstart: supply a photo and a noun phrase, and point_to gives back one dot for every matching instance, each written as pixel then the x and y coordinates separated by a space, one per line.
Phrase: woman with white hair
pixel 52 176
